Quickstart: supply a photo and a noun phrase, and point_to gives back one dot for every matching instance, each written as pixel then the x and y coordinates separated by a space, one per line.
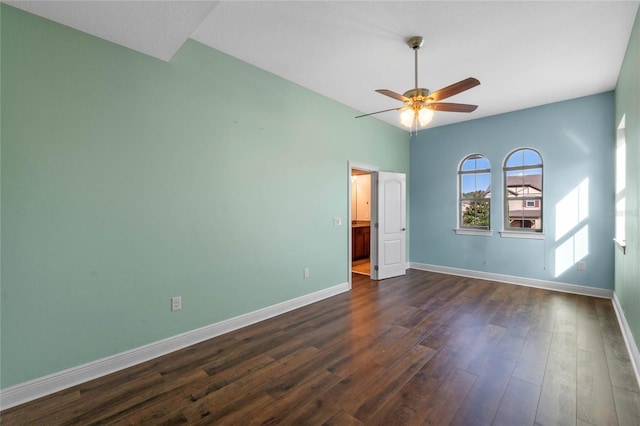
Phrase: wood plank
pixel 589 334
pixel 61 405
pixel 519 404
pixel 558 396
pixel 481 403
pixel 348 392
pixel 627 406
pixel 342 418
pixel 278 411
pixel 425 348
pixel 595 402
pixel 427 400
pixel 512 342
pixel 532 362
pixel 215 403
pixel 385 387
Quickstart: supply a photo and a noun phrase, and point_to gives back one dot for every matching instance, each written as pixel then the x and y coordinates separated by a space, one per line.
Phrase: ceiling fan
pixel 420 103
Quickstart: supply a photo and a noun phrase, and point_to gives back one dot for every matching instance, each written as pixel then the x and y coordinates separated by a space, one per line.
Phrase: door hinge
pixel 375 225
pixel 375 268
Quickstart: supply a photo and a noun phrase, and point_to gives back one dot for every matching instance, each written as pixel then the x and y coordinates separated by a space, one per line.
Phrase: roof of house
pixel 526 214
pixel 533 181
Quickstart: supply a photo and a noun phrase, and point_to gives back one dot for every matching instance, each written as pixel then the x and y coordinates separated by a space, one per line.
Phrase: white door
pixel 392 224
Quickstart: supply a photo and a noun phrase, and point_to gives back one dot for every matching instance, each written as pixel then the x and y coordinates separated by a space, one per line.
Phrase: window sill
pixel 467 231
pixel 621 244
pixel 524 235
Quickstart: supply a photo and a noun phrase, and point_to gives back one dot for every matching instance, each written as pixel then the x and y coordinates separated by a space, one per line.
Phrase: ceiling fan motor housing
pixel 417 96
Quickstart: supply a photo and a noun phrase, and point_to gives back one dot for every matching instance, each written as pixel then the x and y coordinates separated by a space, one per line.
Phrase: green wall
pixel 127 180
pixel 627 104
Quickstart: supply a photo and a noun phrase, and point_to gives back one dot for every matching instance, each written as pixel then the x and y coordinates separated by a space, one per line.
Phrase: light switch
pixel 337 221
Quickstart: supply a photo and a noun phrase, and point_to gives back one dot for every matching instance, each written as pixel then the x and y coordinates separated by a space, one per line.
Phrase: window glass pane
pixel 482 164
pixel 531 157
pixel 621 191
pixel 516 159
pixel 468 184
pixel 474 162
pixel 524 217
pixel 483 182
pixel 533 181
pixel 515 183
pixel 524 183
pixel 468 164
pixel 475 213
pixel 475 185
pixel 516 216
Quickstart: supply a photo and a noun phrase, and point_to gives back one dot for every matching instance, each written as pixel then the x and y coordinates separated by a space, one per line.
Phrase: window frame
pixel 523 232
pixel 470 229
pixel 621 190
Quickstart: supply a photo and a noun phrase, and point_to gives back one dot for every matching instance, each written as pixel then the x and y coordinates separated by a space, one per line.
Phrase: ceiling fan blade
pixel 378 112
pixel 454 89
pixel 393 95
pixel 451 107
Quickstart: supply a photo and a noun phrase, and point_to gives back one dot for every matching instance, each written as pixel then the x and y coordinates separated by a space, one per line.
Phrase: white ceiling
pixel 524 53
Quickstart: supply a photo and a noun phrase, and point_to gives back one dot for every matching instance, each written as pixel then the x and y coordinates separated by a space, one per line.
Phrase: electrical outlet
pixel 582 266
pixel 306 272
pixel 176 303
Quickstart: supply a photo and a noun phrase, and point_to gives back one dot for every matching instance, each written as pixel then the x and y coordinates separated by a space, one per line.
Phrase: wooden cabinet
pixel 360 242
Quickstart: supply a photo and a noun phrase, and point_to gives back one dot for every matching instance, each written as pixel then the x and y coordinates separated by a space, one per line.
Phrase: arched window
pixel 523 191
pixel 474 202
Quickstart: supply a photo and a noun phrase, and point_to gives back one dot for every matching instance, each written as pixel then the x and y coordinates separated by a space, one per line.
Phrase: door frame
pixel 373 251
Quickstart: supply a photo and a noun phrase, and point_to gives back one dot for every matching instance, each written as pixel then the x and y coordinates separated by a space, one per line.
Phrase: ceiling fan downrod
pixel 415 43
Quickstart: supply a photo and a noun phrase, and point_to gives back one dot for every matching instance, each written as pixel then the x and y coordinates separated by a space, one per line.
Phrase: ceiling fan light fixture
pixel 425 116
pixel 407 117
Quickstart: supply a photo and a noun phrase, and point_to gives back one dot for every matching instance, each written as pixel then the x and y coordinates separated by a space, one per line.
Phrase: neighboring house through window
pixel 474 203
pixel 523 191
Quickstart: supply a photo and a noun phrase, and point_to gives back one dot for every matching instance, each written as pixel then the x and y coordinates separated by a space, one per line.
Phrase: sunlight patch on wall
pixel 572 209
pixel 571 212
pixel 572 251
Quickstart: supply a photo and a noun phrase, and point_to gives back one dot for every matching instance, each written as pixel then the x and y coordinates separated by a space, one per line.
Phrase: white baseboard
pixel 632 347
pixel 510 279
pixel 37 388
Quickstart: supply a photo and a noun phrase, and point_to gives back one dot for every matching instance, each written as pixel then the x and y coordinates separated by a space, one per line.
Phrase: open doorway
pixel 361 222
pixel 377 222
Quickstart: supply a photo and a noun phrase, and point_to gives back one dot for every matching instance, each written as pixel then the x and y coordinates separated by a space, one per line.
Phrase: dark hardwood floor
pixel 421 349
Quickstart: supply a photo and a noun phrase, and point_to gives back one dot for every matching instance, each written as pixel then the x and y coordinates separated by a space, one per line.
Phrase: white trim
pixel 522 234
pixel 629 341
pixel 621 244
pixel 363 167
pixel 510 279
pixel 42 386
pixel 469 231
